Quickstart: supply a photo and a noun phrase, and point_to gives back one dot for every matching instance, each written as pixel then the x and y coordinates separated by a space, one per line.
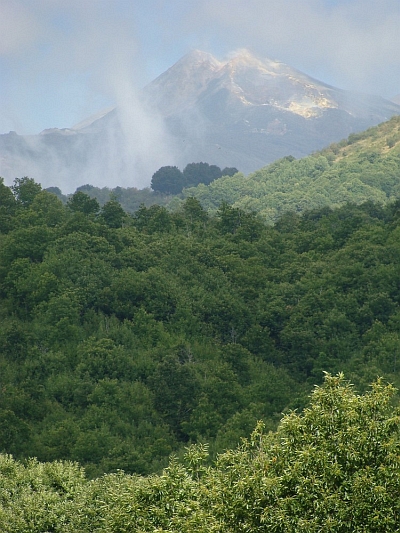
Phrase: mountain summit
pixel 252 81
pixel 243 112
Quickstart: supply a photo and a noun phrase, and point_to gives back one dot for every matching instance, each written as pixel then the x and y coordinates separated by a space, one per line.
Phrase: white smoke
pixel 85 55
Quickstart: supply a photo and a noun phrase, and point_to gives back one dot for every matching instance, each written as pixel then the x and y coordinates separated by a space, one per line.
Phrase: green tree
pixel 113 214
pixel 175 387
pixel 334 467
pixel 45 209
pixel 8 206
pixel 57 192
pixel 195 173
pixel 194 213
pixel 168 180
pixel 229 171
pixel 81 202
pixel 152 219
pixel 25 189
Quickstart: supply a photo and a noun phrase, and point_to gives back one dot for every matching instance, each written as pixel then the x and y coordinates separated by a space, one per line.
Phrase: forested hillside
pixel 125 338
pixel 364 167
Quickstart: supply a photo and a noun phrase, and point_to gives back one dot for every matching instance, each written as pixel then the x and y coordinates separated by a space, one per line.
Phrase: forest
pixel 141 350
pixel 333 468
pixel 126 337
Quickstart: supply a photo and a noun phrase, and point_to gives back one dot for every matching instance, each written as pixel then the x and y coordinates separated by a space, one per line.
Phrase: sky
pixel 64 60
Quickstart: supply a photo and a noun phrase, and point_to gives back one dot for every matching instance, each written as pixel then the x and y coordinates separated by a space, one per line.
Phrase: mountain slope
pixel 243 112
pixel 364 167
pixel 247 112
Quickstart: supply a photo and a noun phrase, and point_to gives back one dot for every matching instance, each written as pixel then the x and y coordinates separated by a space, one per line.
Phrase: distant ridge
pixel 93 118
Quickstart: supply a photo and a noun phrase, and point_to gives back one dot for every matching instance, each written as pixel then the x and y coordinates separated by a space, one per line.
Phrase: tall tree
pixel 195 173
pixel 25 189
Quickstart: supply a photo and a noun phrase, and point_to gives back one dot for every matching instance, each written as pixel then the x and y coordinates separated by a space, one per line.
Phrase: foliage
pixel 333 467
pixel 81 202
pixel 195 173
pixel 168 180
pixel 113 214
pixel 25 189
pixel 126 338
pixel 129 198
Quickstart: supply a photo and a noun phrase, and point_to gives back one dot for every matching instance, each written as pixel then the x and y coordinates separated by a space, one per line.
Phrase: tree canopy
pixel 124 338
pixel 333 467
pixel 170 180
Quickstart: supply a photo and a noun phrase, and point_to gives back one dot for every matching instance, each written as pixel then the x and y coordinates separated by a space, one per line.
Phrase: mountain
pixel 244 112
pixel 249 112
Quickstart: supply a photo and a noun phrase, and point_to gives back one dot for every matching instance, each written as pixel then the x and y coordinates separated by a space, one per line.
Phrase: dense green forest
pixel 142 341
pixel 125 338
pixel 335 468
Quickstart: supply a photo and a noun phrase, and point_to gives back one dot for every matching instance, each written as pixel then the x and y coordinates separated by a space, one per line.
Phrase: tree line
pixel 171 180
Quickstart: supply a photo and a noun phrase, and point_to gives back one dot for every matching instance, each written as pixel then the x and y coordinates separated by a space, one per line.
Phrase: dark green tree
pixel 195 173
pixel 194 212
pixel 82 203
pixel 152 219
pixel 57 191
pixel 168 180
pixel 113 214
pixel 229 171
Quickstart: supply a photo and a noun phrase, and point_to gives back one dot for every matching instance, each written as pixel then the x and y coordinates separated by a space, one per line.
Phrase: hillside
pixel 364 167
pixel 125 338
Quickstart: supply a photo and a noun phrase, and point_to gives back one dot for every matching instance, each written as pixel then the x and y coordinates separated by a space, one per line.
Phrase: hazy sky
pixel 63 60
